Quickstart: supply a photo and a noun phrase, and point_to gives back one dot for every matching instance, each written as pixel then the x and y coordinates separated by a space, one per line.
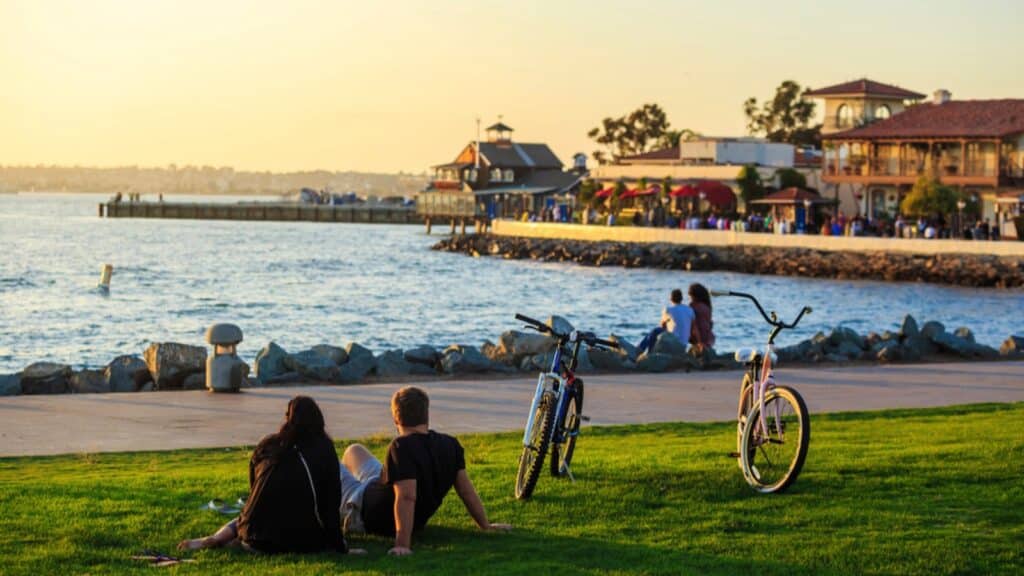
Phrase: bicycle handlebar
pixel 586 337
pixel 773 319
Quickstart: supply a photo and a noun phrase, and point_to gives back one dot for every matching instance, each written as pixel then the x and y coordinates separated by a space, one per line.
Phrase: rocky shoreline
pixel 954 269
pixel 175 366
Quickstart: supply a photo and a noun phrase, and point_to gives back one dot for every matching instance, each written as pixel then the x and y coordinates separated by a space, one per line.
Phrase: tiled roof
pixel 662 154
pixel 953 119
pixel 540 182
pixel 867 88
pixel 516 155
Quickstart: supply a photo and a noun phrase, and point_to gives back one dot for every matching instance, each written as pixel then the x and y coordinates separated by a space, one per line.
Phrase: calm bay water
pixel 301 284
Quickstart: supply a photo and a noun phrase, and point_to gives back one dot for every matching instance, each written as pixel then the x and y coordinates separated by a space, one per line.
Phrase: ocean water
pixel 300 284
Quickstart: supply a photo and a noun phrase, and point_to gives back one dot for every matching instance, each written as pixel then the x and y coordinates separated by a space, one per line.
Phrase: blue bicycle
pixel 557 408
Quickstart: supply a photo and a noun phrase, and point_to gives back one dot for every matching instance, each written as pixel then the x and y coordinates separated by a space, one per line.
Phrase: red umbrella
pixel 649 191
pixel 685 191
pixel 716 193
pixel 605 193
pixel 628 194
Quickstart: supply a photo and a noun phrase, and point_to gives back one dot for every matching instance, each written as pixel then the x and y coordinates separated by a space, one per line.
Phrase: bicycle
pixel 556 411
pixel 773 427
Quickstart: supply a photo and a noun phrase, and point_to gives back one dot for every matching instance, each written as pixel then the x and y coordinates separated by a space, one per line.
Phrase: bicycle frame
pixel 561 385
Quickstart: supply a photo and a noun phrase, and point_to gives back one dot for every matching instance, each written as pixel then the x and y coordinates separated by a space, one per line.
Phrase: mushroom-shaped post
pixel 224 369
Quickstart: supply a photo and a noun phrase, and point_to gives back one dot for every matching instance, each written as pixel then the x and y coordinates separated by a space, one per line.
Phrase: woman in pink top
pixel 701 335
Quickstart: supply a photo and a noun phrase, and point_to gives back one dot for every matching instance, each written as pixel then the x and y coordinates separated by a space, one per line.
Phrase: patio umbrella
pixel 685 191
pixel 605 193
pixel 716 193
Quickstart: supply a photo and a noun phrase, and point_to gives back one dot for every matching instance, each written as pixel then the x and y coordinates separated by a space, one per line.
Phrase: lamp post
pixel 960 205
pixel 807 215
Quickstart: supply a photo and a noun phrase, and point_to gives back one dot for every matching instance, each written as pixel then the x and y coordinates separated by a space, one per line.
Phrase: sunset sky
pixel 388 86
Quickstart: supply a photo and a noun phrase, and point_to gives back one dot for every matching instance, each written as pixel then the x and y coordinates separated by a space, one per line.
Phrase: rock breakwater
pixel 174 366
pixel 953 269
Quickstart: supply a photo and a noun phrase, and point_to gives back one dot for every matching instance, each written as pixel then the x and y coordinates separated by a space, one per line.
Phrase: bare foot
pixel 197 544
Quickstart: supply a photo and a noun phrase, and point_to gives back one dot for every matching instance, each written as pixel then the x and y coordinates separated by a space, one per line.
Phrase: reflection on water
pixel 304 283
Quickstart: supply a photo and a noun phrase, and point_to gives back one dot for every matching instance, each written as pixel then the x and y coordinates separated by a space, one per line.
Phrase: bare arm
pixel 405 512
pixel 467 492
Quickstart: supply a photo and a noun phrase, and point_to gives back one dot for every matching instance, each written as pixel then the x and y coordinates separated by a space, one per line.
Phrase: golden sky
pixel 396 85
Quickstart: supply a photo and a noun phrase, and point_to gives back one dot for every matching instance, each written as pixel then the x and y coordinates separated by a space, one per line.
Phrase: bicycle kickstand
pixel 568 471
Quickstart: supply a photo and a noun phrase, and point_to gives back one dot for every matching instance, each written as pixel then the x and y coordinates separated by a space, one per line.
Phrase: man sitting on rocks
pixel 421 467
pixel 676 318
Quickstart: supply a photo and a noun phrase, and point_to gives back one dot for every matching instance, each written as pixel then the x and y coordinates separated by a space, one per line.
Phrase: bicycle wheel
pixel 561 454
pixel 772 461
pixel 532 458
pixel 746 395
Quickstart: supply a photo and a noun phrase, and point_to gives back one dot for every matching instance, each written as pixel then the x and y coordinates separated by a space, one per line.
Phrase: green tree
pixel 928 198
pixel 613 201
pixel 785 118
pixel 672 138
pixel 790 178
pixel 635 133
pixel 749 181
pixel 587 190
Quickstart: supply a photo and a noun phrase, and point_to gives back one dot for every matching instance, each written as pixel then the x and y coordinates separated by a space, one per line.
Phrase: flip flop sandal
pixel 221 507
pixel 158 559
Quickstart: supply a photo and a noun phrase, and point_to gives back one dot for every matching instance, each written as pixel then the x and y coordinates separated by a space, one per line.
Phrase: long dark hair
pixel 303 424
pixel 698 293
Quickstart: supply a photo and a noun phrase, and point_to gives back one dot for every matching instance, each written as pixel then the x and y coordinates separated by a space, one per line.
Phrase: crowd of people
pixel 303 499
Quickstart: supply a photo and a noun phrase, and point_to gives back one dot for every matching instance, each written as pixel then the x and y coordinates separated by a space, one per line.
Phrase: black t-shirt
pixel 432 459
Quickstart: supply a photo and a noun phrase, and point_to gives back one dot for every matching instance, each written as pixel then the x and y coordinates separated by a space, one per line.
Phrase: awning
pixel 716 193
pixel 685 191
pixel 1010 197
pixel 793 196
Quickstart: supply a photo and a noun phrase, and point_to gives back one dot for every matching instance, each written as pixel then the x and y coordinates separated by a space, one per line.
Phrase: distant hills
pixel 201 180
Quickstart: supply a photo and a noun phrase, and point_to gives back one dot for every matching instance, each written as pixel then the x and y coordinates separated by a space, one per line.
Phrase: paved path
pixel 34 425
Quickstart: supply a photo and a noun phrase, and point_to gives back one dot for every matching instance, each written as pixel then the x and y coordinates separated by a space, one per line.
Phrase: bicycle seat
pixel 748 355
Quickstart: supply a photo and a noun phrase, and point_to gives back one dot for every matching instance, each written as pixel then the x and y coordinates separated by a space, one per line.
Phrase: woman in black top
pixel 294 491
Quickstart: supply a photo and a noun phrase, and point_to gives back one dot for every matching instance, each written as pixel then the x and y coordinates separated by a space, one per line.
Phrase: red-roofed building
pixel 974 145
pixel 861 102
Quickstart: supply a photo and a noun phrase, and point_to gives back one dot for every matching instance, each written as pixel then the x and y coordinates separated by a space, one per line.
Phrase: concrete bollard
pixel 224 369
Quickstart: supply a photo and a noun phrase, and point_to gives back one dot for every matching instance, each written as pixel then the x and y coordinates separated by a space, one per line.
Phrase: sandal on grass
pixel 158 559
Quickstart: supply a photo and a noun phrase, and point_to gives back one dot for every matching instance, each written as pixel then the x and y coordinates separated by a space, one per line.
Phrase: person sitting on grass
pixel 422 465
pixel 294 491
pixel 675 318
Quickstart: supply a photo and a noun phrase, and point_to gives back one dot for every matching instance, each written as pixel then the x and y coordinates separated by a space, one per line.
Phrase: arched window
pixel 844 116
pixel 509 175
pixel 882 112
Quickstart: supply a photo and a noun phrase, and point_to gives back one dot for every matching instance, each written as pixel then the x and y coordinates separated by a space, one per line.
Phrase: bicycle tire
pixel 531 460
pixel 561 454
pixel 746 398
pixel 757 466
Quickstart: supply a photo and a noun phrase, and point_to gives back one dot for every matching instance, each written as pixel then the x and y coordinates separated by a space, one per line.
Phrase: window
pixel 844 116
pixel 496 175
pixel 509 175
pixel 882 112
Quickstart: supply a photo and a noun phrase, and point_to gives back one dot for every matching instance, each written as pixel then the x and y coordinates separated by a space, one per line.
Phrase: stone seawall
pixel 956 269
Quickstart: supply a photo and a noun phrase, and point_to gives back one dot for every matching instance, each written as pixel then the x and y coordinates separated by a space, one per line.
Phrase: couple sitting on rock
pixel 301 498
pixel 689 323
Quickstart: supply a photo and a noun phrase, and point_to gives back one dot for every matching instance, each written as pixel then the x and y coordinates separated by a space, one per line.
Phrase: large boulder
pixel 560 325
pixel 333 353
pixel 848 350
pixel 424 355
pixel 194 382
pixel 610 360
pixel 932 329
pixel 270 363
pixel 171 363
pixel 360 363
pixel 842 338
pixel 313 365
pixel 917 347
pixel 668 344
pixel 909 327
pixel 126 373
pixel 10 384
pixel 459 359
pixel 625 347
pixel 965 333
pixel 46 378
pixel 88 382
pixel 583 363
pixel 1013 346
pixel 660 362
pixel 513 346
pixel 392 364
pixel 888 351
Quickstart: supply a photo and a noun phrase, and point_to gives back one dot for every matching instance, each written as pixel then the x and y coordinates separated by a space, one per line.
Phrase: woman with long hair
pixel 701 334
pixel 294 491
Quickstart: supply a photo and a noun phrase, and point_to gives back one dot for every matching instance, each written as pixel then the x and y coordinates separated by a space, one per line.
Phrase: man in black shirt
pixel 421 467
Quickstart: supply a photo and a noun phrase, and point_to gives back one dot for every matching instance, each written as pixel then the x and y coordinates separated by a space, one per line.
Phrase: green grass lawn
pixel 936 491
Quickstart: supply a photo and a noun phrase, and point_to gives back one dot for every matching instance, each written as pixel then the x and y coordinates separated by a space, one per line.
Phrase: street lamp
pixel 960 205
pixel 807 214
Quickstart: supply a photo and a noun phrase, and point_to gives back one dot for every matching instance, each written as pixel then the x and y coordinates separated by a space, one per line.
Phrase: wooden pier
pixel 261 211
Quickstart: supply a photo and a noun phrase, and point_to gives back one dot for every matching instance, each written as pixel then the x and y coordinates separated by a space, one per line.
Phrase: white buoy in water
pixel 105 274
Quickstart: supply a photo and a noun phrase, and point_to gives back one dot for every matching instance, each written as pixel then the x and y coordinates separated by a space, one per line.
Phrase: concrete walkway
pixel 36 425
